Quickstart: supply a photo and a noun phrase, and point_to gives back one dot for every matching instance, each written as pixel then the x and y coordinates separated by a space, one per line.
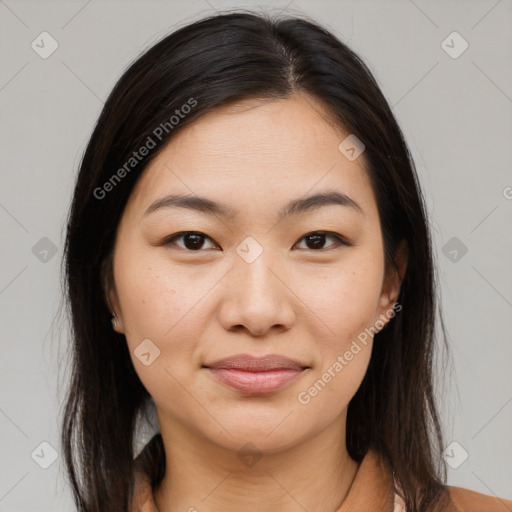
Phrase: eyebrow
pixel 294 207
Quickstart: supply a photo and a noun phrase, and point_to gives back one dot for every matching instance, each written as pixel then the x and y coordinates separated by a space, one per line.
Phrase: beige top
pixel 371 491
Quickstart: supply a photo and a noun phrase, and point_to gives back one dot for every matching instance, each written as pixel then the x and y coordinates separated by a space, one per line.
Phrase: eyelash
pixel 338 238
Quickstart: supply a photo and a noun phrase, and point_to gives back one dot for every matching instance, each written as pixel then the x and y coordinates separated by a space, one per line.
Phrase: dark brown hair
pixel 215 61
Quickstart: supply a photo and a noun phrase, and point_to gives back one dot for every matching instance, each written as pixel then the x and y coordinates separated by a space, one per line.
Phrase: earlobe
pixel 110 294
pixel 113 306
pixel 116 323
pixel 393 281
pixel 397 273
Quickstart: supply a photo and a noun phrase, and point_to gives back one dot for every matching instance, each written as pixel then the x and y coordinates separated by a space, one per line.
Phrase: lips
pixel 257 364
pixel 256 375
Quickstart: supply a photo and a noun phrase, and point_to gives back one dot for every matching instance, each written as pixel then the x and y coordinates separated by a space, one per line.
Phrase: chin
pixel 269 434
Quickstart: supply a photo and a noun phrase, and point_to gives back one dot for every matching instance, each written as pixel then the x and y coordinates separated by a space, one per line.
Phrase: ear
pixel 113 304
pixel 392 281
pixel 110 294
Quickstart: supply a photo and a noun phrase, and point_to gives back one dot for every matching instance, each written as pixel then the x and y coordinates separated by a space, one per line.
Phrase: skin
pixel 199 306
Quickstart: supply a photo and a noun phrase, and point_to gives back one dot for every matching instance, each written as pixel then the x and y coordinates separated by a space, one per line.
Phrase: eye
pixel 195 240
pixel 316 240
pixel 192 240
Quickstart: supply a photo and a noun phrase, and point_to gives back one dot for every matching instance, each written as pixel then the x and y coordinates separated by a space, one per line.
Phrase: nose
pixel 257 298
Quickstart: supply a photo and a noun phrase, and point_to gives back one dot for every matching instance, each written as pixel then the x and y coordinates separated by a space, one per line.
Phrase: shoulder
pixel 466 500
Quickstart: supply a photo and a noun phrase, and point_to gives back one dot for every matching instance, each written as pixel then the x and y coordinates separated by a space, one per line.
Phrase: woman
pixel 248 217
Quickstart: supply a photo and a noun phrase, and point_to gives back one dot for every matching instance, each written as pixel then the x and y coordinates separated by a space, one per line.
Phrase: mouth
pixel 256 375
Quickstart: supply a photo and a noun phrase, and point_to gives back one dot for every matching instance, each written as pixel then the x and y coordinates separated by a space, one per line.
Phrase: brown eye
pixel 192 240
pixel 315 241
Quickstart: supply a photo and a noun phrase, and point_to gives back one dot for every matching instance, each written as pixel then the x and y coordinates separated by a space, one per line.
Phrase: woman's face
pixel 248 281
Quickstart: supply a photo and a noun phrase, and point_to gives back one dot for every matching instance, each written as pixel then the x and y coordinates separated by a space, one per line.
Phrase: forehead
pixel 255 154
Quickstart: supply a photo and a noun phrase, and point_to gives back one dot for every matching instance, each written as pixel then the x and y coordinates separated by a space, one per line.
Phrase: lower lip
pixel 255 382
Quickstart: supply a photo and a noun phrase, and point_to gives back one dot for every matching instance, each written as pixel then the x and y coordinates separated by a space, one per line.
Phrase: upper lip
pixel 257 364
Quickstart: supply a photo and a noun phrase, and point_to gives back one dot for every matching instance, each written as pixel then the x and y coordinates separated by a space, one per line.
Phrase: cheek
pixel 149 301
pixel 161 304
pixel 158 305
pixel 347 301
pixel 347 306
pixel 330 389
pixel 155 297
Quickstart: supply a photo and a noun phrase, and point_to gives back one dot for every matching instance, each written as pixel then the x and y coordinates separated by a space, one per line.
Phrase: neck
pixel 315 475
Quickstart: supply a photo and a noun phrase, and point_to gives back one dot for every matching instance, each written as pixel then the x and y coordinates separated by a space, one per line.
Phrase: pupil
pixel 317 239
pixel 196 241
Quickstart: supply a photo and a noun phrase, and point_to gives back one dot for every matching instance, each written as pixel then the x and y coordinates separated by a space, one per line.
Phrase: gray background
pixel 455 114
